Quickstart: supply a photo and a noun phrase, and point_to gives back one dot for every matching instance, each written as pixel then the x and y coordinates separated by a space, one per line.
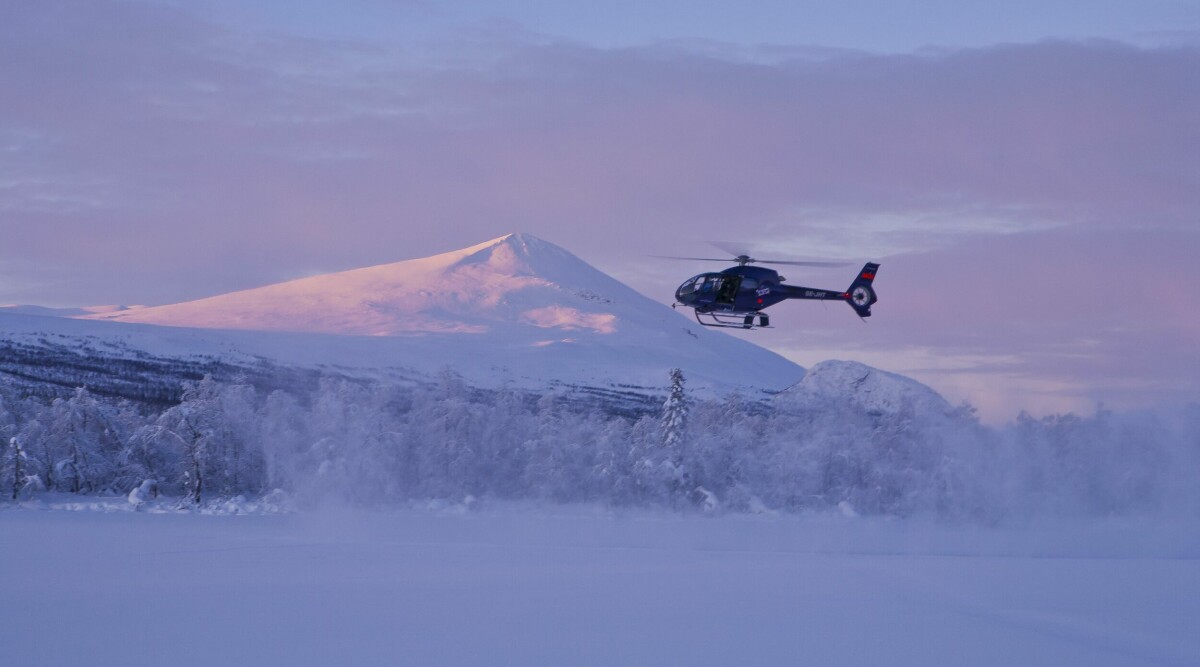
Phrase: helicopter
pixel 736 296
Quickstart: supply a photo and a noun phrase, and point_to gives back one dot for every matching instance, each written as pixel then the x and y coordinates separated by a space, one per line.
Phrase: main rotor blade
pixel 733 248
pixel 743 250
pixel 826 265
pixel 727 260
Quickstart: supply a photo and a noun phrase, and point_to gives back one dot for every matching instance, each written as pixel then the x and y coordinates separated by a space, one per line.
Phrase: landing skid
pixel 733 320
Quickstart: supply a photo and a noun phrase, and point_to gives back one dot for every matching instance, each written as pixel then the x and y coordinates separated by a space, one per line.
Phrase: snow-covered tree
pixel 82 431
pixel 14 463
pixel 377 442
pixel 144 457
pixel 282 436
pixel 207 433
pixel 40 450
pixel 238 466
pixel 674 416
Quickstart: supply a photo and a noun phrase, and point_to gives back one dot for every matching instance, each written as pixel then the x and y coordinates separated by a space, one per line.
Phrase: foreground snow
pixel 506 586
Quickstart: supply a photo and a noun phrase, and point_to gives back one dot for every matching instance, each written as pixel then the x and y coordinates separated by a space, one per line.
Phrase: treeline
pixel 379 444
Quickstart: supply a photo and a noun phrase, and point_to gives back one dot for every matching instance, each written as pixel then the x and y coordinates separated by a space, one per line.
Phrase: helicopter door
pixel 728 290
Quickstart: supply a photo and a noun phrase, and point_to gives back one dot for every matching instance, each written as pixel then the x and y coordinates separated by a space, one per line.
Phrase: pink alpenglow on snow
pixel 570 318
pixel 515 279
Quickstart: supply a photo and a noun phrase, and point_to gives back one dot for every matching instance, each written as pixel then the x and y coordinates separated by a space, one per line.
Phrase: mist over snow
pixel 876 445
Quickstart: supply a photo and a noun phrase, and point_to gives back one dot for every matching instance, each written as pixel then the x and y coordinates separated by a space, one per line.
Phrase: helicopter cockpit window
pixel 690 285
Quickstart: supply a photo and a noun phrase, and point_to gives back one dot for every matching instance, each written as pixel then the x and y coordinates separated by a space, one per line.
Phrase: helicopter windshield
pixel 717 286
pixel 693 284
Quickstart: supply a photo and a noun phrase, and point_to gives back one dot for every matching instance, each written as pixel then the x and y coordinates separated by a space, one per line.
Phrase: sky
pixel 1027 173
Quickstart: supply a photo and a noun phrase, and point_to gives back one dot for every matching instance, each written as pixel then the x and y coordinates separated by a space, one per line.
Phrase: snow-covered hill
pixel 516 310
pixel 867 389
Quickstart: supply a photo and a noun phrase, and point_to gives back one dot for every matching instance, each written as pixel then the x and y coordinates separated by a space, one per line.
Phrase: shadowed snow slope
pixel 514 309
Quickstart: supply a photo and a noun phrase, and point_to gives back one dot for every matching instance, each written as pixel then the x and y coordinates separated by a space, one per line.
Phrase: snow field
pixel 576 586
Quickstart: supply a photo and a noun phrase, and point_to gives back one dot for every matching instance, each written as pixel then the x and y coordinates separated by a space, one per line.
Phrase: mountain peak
pixel 522 238
pixel 515 302
pixel 524 255
pixel 511 281
pixel 521 241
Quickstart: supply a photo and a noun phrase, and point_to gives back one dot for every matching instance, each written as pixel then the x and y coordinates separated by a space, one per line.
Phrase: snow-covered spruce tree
pixel 674 416
pixel 673 427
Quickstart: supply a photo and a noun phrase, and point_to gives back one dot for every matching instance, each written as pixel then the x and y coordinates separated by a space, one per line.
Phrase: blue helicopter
pixel 736 297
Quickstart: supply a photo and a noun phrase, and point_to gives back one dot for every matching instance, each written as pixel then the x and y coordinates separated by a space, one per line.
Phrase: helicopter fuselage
pixel 738 289
pixel 742 292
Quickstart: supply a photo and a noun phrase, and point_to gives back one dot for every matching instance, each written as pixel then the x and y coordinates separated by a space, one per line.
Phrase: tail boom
pixel 860 295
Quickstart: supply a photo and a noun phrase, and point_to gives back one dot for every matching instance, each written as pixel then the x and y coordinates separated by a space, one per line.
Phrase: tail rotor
pixel 861 294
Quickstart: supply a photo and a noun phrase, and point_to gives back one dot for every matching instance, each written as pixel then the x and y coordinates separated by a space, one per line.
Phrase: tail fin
pixel 861 294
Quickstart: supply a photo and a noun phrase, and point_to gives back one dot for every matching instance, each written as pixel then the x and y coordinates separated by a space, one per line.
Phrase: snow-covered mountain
pixel 867 389
pixel 515 286
pixel 515 310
